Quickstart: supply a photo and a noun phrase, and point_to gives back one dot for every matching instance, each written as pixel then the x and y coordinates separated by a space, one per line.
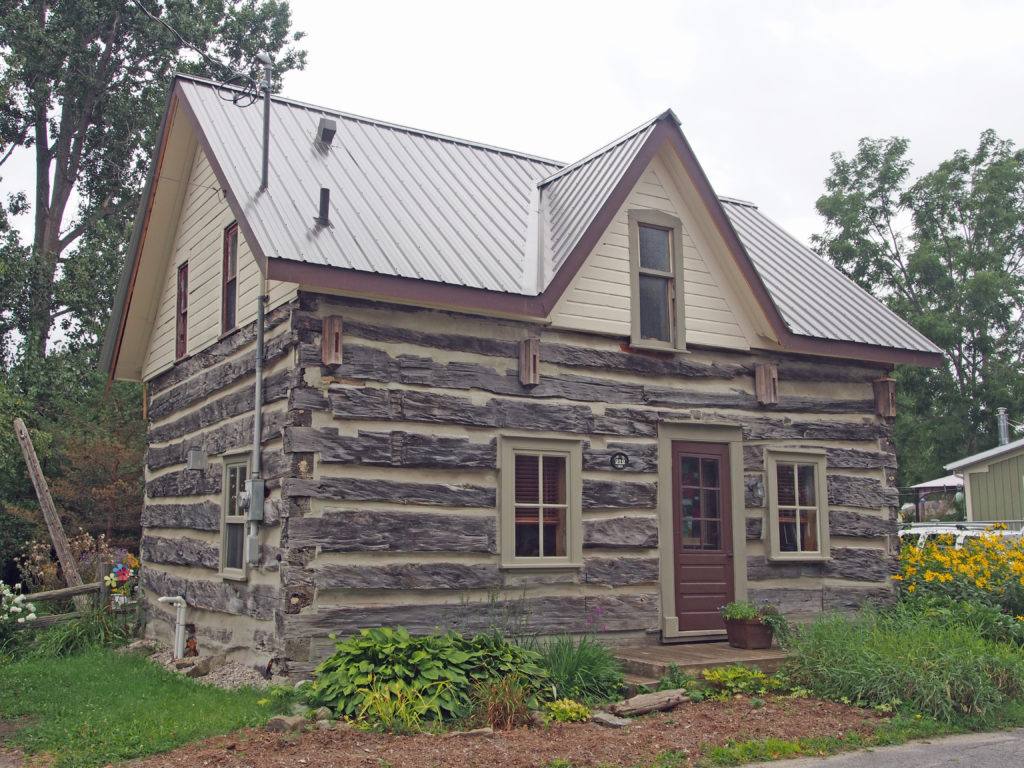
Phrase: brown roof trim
pixel 404 288
pixel 858 351
pixel 236 208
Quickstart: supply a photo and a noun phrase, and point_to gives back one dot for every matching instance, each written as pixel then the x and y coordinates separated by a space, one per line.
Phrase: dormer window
pixel 181 313
pixel 656 272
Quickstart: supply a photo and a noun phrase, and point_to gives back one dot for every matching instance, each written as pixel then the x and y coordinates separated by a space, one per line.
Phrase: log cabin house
pixel 597 393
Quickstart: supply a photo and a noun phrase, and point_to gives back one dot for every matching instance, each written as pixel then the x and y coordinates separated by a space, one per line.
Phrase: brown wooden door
pixel 702 533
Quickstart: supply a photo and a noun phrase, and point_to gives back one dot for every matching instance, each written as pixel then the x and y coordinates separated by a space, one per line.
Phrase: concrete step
pixel 650 662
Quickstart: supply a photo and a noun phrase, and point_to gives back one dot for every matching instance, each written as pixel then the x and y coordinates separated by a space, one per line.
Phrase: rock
pixel 649 702
pixel 283 723
pixel 298 708
pixel 324 725
pixel 488 732
pixel 323 713
pixel 147 647
pixel 201 668
pixel 537 718
pixel 608 720
pixel 302 683
pixel 183 663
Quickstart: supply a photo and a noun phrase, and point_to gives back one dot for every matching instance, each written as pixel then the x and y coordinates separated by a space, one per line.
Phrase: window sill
pixel 654 346
pixel 234 575
pixel 541 566
pixel 797 557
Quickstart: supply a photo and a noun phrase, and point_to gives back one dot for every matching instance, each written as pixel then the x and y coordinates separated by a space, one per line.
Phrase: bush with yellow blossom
pixel 987 569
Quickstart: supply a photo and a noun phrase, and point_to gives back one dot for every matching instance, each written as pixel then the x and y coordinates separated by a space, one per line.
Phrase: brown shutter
pixel 766 381
pixel 529 362
pixel 331 340
pixel 885 397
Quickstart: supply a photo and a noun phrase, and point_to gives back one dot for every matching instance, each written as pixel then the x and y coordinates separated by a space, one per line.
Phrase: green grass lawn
pixel 102 707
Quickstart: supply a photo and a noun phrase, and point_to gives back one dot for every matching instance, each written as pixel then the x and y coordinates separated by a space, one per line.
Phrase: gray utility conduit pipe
pixel 179 623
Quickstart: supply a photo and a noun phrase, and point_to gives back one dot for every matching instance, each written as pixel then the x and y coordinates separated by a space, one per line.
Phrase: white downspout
pixel 179 623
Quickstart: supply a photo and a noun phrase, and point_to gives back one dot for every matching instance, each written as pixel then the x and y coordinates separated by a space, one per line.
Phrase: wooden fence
pixel 81 603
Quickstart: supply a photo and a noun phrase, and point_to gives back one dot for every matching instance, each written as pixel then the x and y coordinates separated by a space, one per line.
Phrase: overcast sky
pixel 765 91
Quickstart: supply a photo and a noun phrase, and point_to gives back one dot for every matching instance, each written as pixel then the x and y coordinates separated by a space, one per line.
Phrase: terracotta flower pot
pixel 750 634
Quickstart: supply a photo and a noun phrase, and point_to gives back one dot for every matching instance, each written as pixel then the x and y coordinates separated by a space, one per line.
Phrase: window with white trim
pixel 232 547
pixel 229 281
pixel 540 502
pixel 181 313
pixel 797 526
pixel 656 277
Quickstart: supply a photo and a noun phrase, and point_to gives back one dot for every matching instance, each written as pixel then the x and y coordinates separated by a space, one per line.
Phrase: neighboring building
pixel 994 483
pixel 936 499
pixel 593 393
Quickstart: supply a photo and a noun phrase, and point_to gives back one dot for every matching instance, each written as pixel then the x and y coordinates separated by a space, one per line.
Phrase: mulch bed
pixel 689 729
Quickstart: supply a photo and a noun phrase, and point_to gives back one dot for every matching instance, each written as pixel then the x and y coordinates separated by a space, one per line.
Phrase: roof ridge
pixel 276 98
pixel 737 201
pixel 606 148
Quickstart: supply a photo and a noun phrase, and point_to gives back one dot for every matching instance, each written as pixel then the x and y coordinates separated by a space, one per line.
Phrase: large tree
pixel 946 252
pixel 82 87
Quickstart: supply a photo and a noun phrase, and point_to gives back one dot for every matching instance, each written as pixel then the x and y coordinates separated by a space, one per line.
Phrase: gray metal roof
pixel 412 204
pixel 991 453
pixel 572 197
pixel 814 298
pixel 403 202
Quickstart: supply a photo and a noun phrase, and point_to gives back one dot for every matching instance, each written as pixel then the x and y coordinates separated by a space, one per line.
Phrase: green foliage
pixel 98 628
pixel 567 711
pixel 500 703
pixel 397 708
pixel 441 668
pixel 946 253
pixel 582 668
pixel 103 707
pixel 905 659
pixel 675 677
pixel 726 682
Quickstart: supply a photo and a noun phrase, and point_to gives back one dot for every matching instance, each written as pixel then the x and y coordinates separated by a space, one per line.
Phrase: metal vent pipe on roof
pixel 264 59
pixel 325 130
pixel 1004 426
pixel 325 207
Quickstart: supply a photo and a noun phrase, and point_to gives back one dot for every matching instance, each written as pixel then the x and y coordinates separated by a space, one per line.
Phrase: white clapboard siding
pixel 199 240
pixel 598 299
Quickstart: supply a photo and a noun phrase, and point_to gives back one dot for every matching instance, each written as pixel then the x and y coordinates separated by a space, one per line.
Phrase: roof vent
pixel 324 219
pixel 325 130
pixel 1004 426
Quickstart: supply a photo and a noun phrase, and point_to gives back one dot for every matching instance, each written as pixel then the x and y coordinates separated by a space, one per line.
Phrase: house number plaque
pixel 620 461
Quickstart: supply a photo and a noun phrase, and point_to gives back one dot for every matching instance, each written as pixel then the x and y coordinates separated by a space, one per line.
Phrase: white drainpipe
pixel 179 623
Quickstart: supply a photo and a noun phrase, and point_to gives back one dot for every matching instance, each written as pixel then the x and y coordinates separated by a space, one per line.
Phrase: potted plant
pixel 749 625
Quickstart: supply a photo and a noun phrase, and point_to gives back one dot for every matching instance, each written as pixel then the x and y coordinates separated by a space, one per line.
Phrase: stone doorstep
pixel 645 663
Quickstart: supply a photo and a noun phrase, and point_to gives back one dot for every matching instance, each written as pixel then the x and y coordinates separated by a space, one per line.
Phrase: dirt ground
pixel 690 729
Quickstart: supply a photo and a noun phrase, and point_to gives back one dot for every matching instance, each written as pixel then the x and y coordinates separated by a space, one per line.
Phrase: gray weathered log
pixel 546 615
pixel 754 527
pixel 854 524
pixel 396 449
pixel 277 387
pixel 186 483
pixel 645 703
pixel 204 516
pixel 608 494
pixel 258 601
pixel 626 532
pixel 357 489
pixel 643 457
pixel 180 551
pixel 227 437
pixel 619 571
pixel 64 593
pixel 850 491
pixel 221 350
pixel 408 576
pixel 836 458
pixel 637 362
pixel 446 341
pixel 356 531
pixel 860 564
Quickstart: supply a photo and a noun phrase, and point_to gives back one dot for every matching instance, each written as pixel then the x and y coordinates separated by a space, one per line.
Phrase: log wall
pixel 384 478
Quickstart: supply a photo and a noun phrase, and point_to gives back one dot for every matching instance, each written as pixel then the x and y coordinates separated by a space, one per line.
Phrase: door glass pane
pixel 805 475
pixel 787 492
pixel 689 467
pixel 655 304
pixel 710 505
pixel 691 534
pixel 712 538
pixel 654 248
pixel 709 473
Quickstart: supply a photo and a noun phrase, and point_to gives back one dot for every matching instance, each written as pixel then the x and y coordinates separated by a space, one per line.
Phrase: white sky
pixel 765 90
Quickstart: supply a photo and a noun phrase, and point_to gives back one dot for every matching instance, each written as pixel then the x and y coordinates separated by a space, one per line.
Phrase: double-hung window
pixel 797 505
pixel 540 502
pixel 656 275
pixel 181 313
pixel 229 283
pixel 232 547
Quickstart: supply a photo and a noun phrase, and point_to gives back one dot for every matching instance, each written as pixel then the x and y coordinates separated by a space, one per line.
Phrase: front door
pixel 702 533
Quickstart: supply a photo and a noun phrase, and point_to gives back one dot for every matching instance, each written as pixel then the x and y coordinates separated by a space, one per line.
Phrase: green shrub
pixel 567 711
pixel 583 669
pixel 905 659
pixel 987 621
pixel 396 708
pixel 434 674
pixel 98 628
